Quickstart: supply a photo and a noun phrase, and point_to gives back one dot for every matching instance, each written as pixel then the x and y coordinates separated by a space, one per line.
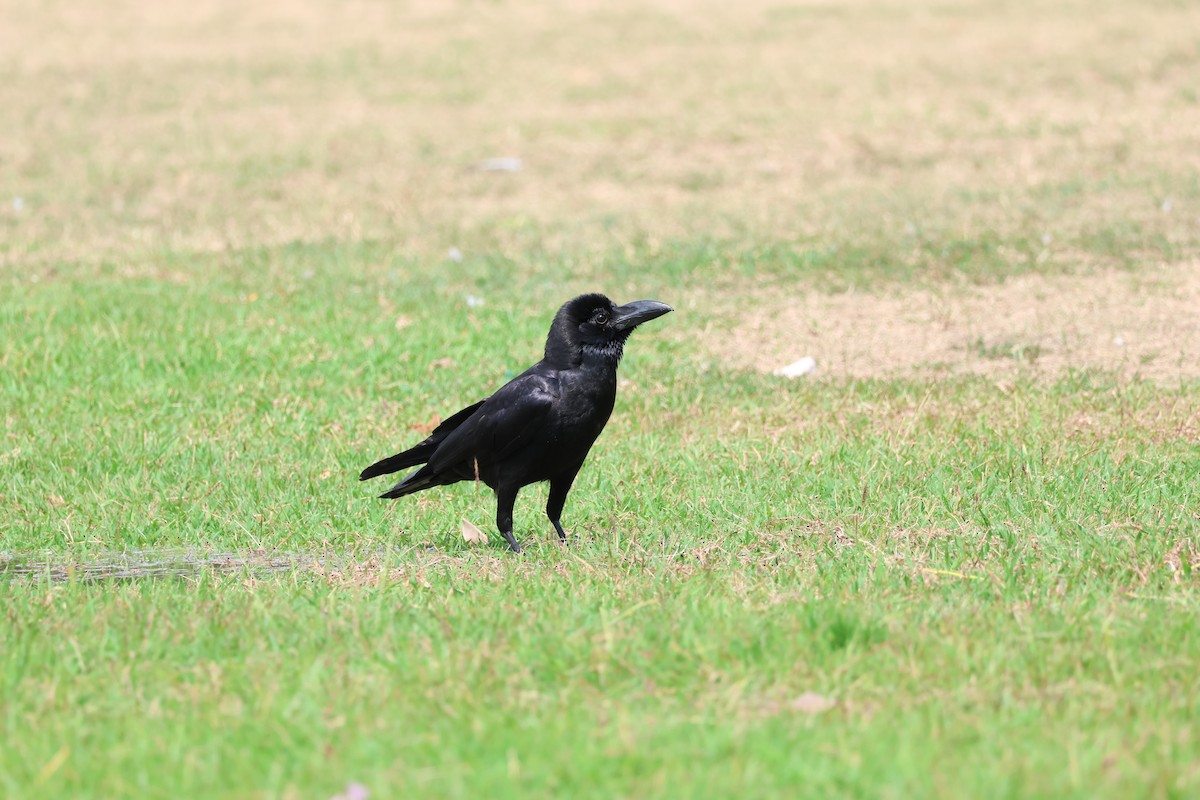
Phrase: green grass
pixel 640 674
pixel 992 584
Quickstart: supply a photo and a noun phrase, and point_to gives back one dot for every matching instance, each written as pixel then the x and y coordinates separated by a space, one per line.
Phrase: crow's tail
pixel 409 458
pixel 413 483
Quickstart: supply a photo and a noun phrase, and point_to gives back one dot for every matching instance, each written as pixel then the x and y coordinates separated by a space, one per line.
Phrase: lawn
pixel 245 250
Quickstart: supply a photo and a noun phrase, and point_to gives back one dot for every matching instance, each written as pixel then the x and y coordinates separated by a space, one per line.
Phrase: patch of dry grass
pixel 135 127
pixel 1141 324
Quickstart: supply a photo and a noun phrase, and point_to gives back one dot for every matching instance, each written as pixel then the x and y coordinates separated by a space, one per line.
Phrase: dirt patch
pixel 141 564
pixel 1143 324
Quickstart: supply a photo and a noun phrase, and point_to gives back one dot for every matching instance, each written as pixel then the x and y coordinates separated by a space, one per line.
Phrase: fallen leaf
pixel 426 427
pixel 441 363
pixel 327 474
pixel 472 534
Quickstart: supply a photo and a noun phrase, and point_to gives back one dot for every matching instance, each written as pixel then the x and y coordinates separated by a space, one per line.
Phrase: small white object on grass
pixel 353 791
pixel 455 255
pixel 797 369
pixel 503 164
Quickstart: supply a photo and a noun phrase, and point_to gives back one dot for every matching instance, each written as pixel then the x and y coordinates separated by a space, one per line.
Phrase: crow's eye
pixel 600 317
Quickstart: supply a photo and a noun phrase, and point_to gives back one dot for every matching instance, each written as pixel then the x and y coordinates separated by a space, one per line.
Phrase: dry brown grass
pixel 133 126
pixel 137 128
pixel 1143 324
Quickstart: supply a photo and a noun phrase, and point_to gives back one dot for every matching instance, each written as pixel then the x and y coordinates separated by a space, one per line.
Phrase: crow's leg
pixel 554 504
pixel 505 499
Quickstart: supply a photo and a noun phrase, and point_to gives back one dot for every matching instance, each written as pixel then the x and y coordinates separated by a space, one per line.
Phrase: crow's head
pixel 594 324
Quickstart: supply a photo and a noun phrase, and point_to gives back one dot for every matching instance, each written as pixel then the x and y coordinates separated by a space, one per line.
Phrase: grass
pixel 994 585
pixel 226 288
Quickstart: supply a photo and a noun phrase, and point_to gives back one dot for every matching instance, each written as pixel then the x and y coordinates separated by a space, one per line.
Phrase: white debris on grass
pixel 353 791
pixel 797 369
pixel 502 164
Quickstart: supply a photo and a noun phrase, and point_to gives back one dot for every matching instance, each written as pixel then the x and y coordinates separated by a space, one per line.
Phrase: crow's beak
pixel 630 315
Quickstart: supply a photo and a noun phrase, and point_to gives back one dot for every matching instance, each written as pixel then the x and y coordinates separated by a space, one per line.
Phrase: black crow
pixel 540 425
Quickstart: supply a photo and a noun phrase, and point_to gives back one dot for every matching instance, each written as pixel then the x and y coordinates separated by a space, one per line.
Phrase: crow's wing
pixel 453 421
pixel 504 424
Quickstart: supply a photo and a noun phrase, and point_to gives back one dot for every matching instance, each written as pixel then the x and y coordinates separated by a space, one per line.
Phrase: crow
pixel 540 425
